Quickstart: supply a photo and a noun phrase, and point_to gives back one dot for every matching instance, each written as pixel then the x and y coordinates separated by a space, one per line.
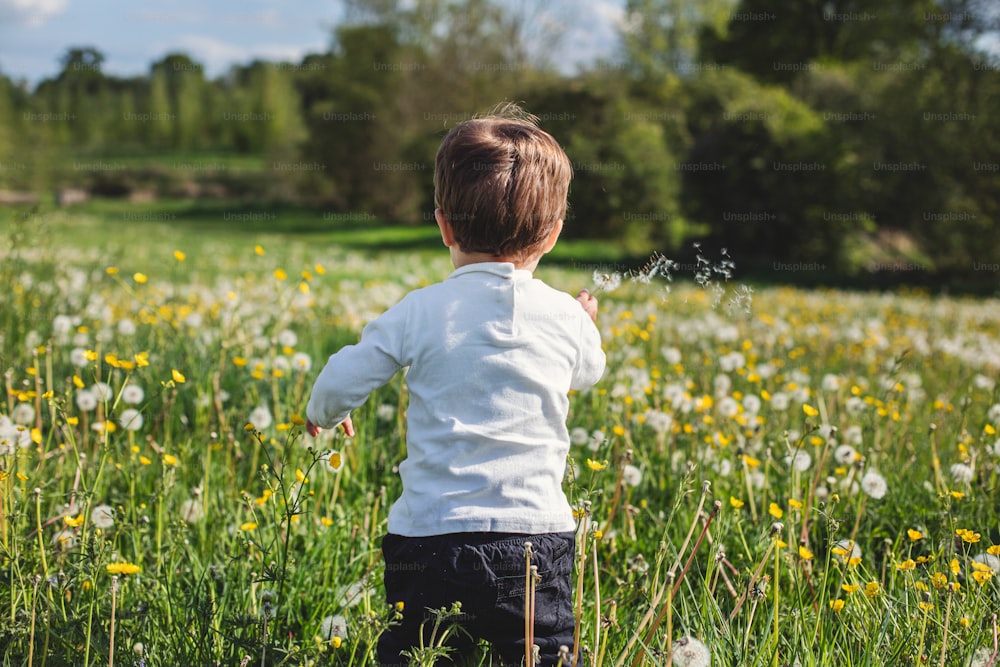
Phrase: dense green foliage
pixel 842 137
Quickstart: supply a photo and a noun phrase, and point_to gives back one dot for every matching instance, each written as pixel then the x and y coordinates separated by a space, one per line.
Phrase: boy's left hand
pixel 347 425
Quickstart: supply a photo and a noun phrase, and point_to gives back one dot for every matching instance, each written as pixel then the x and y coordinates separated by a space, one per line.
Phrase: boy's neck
pixel 460 258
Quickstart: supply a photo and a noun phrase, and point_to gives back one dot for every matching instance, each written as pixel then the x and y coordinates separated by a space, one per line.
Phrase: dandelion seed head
pixel 845 455
pixel 690 652
pixel 103 391
pixel 607 282
pixel 103 517
pixel 579 436
pixel 799 460
pixel 130 419
pixel 86 400
pixel 989 560
pixel 333 626
pixel 631 475
pixel 132 394
pixel 261 417
pixel 191 510
pixel 287 338
pixel 23 413
pixel 874 485
pixel 962 473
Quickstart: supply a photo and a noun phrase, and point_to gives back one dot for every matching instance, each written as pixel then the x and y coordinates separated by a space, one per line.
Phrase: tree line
pixel 801 132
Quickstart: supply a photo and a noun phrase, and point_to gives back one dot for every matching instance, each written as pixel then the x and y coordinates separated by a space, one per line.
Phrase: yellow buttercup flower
pixel 837 605
pixel 914 535
pixel 595 466
pixel 735 502
pixel 177 376
pixel 809 410
pixel 123 568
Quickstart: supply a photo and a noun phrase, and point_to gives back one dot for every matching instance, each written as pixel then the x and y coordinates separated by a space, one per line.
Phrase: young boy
pixel 492 353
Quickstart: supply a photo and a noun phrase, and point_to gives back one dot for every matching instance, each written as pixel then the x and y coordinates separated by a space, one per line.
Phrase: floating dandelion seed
pixel 690 652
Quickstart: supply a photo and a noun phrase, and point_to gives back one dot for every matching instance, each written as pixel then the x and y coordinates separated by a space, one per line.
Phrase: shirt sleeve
pixel 590 361
pixel 354 371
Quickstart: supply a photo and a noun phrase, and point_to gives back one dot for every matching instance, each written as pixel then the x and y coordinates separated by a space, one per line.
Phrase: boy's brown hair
pixel 501 181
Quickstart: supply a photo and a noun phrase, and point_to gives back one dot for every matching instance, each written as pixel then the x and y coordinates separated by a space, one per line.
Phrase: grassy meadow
pixel 786 477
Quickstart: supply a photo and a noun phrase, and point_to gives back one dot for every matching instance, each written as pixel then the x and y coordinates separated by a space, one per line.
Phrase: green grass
pixel 679 482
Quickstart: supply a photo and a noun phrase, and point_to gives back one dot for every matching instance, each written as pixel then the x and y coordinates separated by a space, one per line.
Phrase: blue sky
pixel 219 33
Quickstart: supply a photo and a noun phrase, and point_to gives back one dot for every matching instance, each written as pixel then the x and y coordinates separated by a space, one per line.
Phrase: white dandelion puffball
pixel 579 436
pixel 632 475
pixel 103 391
pixel 191 510
pixel 261 417
pixel 799 460
pixel 103 517
pixel 64 539
pixel 845 455
pixel 130 419
pixel 596 440
pixel 78 357
pixel 728 407
pixel 845 549
pixel 333 626
pixel 962 473
pixel 23 413
pixel 385 412
pixel 989 560
pixel 86 400
pixel 659 421
pixel 751 403
pixel 288 338
pixel 133 394
pixel 690 652
pixel 671 355
pixel 126 327
pixel 779 401
pixel 874 485
pixel 983 657
pixel 301 362
pixel 830 382
pixel 853 435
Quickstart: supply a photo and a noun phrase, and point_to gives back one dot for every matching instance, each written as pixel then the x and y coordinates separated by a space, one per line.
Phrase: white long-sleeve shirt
pixel 492 353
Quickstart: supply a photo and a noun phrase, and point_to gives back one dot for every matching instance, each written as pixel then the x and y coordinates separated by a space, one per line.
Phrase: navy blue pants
pixel 486 573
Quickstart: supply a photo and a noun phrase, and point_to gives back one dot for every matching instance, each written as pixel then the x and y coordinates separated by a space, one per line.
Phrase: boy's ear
pixel 553 236
pixel 447 234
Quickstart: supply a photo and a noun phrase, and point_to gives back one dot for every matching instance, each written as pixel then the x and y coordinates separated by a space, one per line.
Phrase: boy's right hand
pixel 588 302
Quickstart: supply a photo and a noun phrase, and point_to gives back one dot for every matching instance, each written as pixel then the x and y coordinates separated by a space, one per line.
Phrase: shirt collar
pixel 503 269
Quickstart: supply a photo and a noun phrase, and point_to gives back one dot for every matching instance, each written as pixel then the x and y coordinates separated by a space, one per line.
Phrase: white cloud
pixel 218 56
pixel 31 12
